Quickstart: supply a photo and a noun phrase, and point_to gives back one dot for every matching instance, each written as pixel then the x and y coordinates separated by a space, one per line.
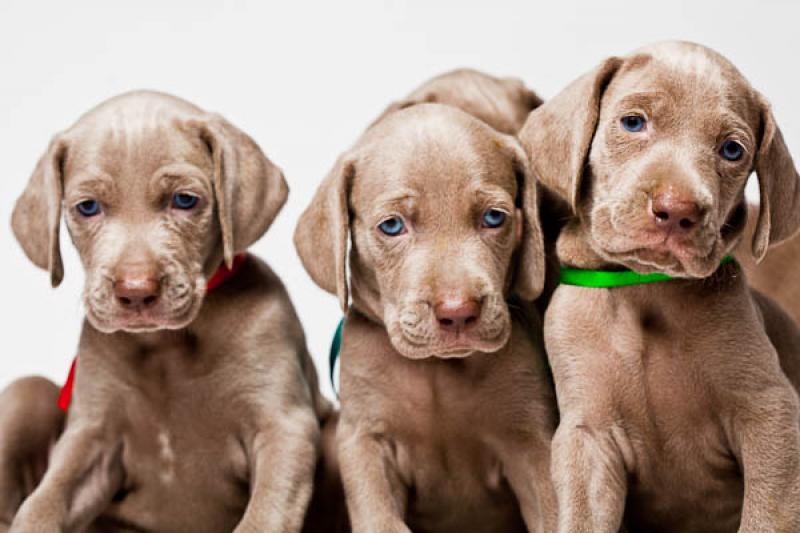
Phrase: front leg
pixel 590 478
pixel 84 474
pixel 769 451
pixel 527 468
pixel 282 456
pixel 376 497
pixel 30 424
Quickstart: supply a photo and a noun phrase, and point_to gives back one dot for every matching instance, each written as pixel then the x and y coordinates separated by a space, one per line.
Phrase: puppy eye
pixel 493 218
pixel 88 208
pixel 633 123
pixel 183 200
pixel 392 226
pixel 731 150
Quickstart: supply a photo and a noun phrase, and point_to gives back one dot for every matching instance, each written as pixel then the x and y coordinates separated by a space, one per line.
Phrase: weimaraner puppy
pixel 672 398
pixel 446 404
pixel 778 275
pixel 191 411
pixel 502 103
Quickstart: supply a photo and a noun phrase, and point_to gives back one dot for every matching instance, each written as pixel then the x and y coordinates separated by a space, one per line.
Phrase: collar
pixel 336 349
pixel 220 276
pixel 616 278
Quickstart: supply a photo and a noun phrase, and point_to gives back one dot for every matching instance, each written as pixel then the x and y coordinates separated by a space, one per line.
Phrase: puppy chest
pixel 450 467
pixel 463 478
pixel 646 369
pixel 175 455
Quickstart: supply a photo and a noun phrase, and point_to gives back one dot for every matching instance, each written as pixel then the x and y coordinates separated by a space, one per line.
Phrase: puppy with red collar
pixel 193 410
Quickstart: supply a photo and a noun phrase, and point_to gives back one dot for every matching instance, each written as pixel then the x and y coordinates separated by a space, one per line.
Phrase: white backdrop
pixel 304 79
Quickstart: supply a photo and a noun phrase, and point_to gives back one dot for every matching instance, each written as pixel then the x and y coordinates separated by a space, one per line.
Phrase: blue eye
pixel 392 226
pixel 633 123
pixel 182 200
pixel 731 150
pixel 88 208
pixel 493 218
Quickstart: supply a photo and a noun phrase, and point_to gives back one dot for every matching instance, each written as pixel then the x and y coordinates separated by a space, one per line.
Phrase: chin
pixel 679 263
pixel 458 349
pixel 143 322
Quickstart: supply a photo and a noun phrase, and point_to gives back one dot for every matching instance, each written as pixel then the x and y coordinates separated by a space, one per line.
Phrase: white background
pixel 304 79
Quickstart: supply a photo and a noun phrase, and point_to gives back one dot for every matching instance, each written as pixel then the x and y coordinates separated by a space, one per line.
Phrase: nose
pixel 457 314
pixel 675 211
pixel 136 288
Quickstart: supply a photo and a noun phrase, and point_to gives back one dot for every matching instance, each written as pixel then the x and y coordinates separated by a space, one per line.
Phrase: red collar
pixel 220 276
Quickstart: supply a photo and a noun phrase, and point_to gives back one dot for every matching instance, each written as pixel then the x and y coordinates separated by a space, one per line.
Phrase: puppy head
pixel 502 103
pixel 155 193
pixel 440 210
pixel 653 152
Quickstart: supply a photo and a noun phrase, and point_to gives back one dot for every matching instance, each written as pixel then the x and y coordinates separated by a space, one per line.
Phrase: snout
pixel 136 289
pixel 449 325
pixel 671 226
pixel 676 212
pixel 144 296
pixel 455 315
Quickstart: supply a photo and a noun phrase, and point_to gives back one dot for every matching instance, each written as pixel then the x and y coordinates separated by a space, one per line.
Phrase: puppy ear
pixel 532 100
pixel 323 231
pixel 529 276
pixel 779 186
pixel 249 189
pixel 558 134
pixel 37 214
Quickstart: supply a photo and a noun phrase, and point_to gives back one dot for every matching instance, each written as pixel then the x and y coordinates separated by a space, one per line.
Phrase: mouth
pixel 448 346
pixel 145 320
pixel 664 253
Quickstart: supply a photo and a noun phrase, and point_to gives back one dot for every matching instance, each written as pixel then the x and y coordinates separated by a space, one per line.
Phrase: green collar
pixel 615 278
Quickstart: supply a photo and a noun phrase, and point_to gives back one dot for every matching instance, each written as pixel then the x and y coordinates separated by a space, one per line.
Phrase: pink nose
pixel 675 212
pixel 136 289
pixel 457 314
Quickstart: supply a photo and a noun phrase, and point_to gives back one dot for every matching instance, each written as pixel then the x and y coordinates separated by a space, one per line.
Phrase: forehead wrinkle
pixel 179 174
pixel 495 193
pixel 90 181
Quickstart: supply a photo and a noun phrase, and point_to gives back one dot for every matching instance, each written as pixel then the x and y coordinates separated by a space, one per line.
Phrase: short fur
pixel 673 401
pixel 440 431
pixel 777 275
pixel 184 416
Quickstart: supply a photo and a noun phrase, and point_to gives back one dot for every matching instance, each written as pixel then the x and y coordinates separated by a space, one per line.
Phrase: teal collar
pixel 336 348
pixel 615 278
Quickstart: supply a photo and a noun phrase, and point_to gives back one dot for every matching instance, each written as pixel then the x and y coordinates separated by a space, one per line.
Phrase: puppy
pixel 671 395
pixel 777 275
pixel 502 103
pixel 446 406
pixel 191 411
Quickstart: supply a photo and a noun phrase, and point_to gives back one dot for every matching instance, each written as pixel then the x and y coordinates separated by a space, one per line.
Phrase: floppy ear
pixel 249 189
pixel 37 214
pixel 532 100
pixel 529 276
pixel 779 186
pixel 558 134
pixel 322 234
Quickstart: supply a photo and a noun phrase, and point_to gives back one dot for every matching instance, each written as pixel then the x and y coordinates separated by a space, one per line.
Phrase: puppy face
pixel 675 143
pixel 436 210
pixel 155 194
pixel 653 151
pixel 139 205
